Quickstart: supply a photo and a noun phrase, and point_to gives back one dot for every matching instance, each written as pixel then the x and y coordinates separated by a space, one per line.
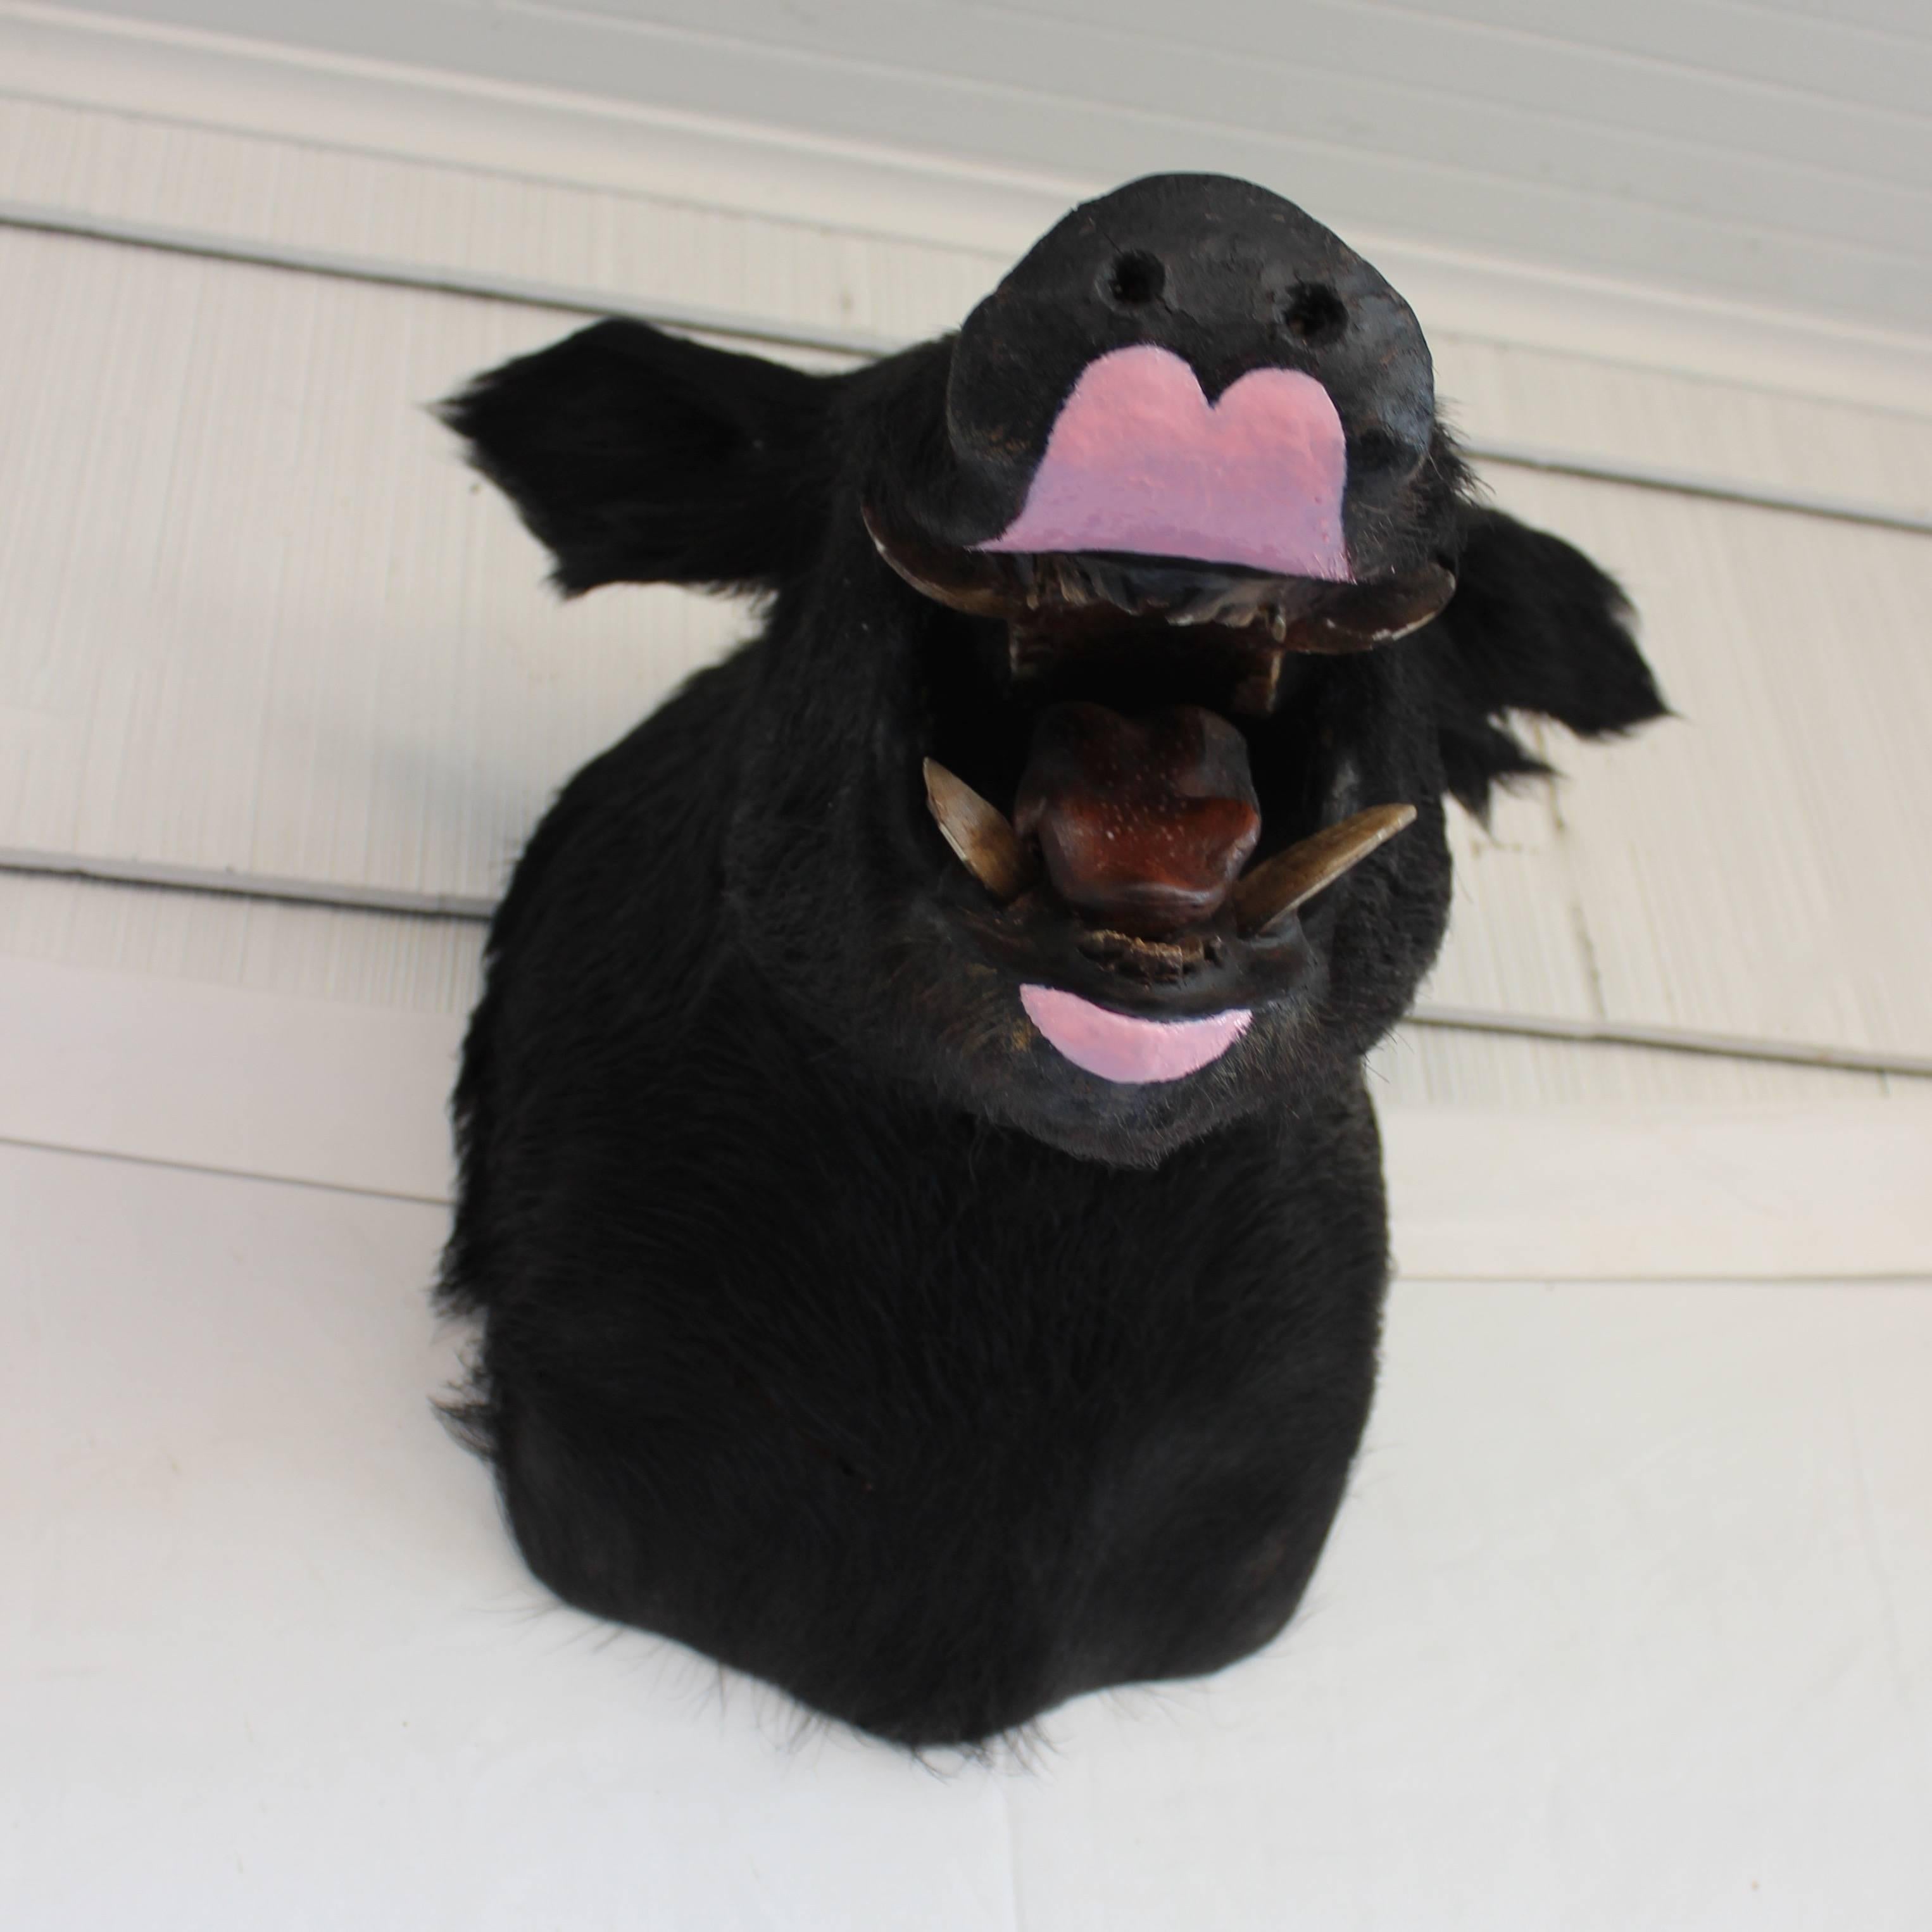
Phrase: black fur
pixel 1518 591
pixel 640 457
pixel 832 1325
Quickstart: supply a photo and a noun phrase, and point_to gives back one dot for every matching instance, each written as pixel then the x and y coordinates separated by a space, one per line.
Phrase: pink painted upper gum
pixel 1139 460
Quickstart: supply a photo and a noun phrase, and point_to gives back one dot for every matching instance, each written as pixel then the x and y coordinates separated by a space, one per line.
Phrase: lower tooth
pixel 981 839
pixel 1276 886
pixel 1026 656
pixel 1255 694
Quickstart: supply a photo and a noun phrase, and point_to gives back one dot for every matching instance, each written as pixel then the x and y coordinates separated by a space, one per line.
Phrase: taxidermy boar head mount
pixel 1121 650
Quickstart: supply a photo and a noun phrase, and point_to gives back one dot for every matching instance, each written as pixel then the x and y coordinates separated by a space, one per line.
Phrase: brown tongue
pixel 1144 823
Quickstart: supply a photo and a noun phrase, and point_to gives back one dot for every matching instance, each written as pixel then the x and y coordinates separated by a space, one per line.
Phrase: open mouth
pixel 1126 754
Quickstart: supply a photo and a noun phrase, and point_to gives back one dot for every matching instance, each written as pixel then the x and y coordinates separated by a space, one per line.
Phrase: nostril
pixel 1136 279
pixel 1315 313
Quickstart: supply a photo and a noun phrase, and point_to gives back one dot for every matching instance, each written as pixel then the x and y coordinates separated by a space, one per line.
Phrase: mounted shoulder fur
pixel 917 1182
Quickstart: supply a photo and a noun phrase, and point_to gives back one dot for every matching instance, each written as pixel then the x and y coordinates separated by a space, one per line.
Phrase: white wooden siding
pixel 1636 1534
pixel 230 943
pixel 1759 153
pixel 642 247
pixel 271 627
pixel 1623 1565
pixel 258 622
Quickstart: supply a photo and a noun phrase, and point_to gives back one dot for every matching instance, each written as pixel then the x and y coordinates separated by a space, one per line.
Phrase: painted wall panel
pixel 1762 855
pixel 258 619
pixel 1662 1581
pixel 390 962
pixel 1610 396
pixel 1764 155
pixel 1624 1565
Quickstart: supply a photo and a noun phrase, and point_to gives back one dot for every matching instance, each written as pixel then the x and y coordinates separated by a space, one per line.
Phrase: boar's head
pixel 1121 650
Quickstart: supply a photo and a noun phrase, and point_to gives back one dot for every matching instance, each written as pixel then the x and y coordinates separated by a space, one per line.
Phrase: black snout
pixel 1227 277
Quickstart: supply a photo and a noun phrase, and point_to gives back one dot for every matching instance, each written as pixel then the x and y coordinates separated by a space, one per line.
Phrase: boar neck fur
pixel 821 1331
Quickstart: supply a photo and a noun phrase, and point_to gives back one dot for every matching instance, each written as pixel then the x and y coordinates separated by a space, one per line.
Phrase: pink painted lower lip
pixel 1125 1048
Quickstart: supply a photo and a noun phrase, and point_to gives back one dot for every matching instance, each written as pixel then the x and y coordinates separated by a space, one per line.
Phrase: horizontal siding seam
pixel 858 345
pixel 471 909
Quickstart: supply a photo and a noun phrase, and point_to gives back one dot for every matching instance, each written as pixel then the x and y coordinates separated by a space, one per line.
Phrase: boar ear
pixel 640 457
pixel 1534 626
